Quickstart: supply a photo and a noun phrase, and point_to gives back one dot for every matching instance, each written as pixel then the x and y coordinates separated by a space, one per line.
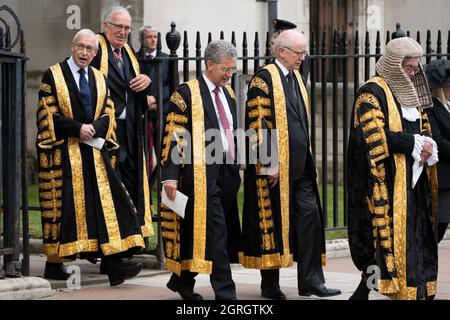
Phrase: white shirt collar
pixel 283 68
pixel 74 68
pixel 153 53
pixel 211 86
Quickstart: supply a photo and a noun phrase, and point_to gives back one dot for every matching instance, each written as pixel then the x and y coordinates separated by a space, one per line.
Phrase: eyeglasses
pixel 411 68
pixel 119 27
pixel 81 47
pixel 302 53
pixel 228 70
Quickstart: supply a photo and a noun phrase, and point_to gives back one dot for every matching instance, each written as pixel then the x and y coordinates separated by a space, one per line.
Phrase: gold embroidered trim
pixel 107 203
pixel 62 91
pixel 198 263
pixel 267 261
pixel 78 188
pixel 45 87
pixel 134 61
pixel 230 91
pixel 104 57
pixel 147 228
pixel 178 100
pixel 172 130
pixel 259 84
pixel 283 156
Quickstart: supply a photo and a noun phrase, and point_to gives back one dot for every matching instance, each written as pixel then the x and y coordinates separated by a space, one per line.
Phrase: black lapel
pixel 288 96
pixel 93 87
pixel 113 61
pixel 208 104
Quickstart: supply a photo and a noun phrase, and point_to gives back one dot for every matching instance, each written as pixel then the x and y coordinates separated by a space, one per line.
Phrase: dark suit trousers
pixel 307 238
pixel 307 233
pixel 220 278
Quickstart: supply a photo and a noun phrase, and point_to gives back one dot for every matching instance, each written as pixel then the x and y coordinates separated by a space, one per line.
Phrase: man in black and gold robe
pixel 199 159
pixel 128 89
pixel 282 216
pixel 85 208
pixel 392 181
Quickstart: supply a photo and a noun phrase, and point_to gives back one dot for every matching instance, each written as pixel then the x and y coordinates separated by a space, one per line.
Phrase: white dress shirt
pixel 74 68
pixel 211 87
pixel 283 68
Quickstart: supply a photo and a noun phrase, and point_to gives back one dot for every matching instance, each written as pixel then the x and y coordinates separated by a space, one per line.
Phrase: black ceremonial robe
pixel 85 208
pixel 390 223
pixel 133 138
pixel 188 242
pixel 268 216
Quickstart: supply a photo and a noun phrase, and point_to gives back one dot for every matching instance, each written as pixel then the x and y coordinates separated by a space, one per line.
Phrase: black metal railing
pixel 334 72
pixel 14 187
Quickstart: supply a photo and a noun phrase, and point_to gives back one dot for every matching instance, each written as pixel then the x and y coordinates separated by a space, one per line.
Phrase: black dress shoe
pixel 119 272
pixel 320 291
pixel 276 295
pixel 55 271
pixel 103 267
pixel 185 293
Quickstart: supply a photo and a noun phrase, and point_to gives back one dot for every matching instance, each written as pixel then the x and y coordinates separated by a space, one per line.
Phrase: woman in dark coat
pixel 438 75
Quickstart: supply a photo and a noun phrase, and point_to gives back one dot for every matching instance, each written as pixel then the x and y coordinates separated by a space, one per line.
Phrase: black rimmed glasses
pixel 81 47
pixel 302 53
pixel 119 27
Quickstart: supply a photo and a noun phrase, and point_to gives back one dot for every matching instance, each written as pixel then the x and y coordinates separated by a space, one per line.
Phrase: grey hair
pixel 144 29
pixel 112 10
pixel 86 33
pixel 216 50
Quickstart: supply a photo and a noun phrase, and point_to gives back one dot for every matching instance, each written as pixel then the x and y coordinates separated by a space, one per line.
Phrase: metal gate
pixel 13 193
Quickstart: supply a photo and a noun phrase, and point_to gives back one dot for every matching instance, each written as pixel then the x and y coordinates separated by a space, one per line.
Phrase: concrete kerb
pixel 25 288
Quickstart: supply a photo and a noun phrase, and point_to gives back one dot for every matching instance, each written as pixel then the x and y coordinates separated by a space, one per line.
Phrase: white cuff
pixel 418 146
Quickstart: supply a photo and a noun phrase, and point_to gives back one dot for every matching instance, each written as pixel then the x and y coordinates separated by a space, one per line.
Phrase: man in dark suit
pixel 128 89
pixel 282 219
pixel 150 68
pixel 85 208
pixel 198 159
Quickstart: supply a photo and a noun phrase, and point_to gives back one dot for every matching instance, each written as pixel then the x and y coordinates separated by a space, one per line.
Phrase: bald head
pixel 291 49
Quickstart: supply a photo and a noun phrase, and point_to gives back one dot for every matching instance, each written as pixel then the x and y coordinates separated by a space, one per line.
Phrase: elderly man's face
pixel 220 73
pixel 84 50
pixel 117 29
pixel 293 56
pixel 411 66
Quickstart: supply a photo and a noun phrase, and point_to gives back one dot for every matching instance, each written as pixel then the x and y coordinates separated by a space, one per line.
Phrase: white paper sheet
pixel 96 143
pixel 178 205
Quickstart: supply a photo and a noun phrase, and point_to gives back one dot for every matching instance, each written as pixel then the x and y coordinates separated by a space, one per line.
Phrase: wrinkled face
pixel 151 40
pixel 83 50
pixel 220 73
pixel 411 66
pixel 293 56
pixel 117 29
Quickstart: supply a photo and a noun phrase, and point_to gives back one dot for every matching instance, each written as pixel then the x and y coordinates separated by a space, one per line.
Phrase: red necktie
pixel 225 123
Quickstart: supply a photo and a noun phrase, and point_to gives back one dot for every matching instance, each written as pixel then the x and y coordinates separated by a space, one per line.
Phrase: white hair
pixel 114 9
pixel 87 33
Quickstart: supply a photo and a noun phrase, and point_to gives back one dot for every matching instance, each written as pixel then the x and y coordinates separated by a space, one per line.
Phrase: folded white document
pixel 178 205
pixel 96 143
